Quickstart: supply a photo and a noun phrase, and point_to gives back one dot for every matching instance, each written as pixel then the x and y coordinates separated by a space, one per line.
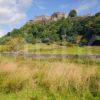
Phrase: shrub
pixel 12 84
pixel 15 44
pixel 45 40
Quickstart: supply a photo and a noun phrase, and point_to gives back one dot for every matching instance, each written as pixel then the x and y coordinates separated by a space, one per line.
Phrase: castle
pixel 58 15
pixel 54 17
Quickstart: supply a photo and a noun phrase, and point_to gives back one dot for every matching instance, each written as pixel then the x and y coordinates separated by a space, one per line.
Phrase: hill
pixel 58 28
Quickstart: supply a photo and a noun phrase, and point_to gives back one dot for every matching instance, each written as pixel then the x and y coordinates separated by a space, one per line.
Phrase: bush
pixel 4 40
pixel 45 40
pixel 30 39
pixel 15 44
pixel 12 84
pixel 73 13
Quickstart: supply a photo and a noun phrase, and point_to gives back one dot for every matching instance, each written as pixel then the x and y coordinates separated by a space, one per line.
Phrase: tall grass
pixel 49 79
pixel 47 49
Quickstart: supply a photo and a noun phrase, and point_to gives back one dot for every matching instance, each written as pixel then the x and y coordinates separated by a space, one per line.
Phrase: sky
pixel 15 13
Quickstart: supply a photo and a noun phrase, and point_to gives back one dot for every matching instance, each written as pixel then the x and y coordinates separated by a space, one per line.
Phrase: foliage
pixel 97 14
pixel 15 33
pixel 30 39
pixel 71 27
pixel 15 44
pixel 4 40
pixel 73 13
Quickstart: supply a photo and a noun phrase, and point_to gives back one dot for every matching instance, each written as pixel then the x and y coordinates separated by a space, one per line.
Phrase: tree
pixel 97 14
pixel 15 44
pixel 62 33
pixel 73 13
pixel 30 39
pixel 4 40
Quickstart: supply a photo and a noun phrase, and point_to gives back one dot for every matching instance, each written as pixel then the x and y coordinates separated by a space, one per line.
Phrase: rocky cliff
pixel 54 17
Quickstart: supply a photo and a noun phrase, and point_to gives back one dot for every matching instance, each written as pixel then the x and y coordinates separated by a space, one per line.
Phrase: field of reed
pixel 49 79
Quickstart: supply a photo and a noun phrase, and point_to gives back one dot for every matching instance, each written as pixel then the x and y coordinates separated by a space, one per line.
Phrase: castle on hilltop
pixel 58 15
pixel 45 19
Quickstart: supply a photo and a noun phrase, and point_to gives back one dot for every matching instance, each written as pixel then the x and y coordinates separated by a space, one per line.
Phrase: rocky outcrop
pixel 58 15
pixel 42 18
pixel 45 19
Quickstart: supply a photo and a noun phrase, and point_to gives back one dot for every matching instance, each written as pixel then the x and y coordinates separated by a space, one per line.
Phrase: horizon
pixel 14 14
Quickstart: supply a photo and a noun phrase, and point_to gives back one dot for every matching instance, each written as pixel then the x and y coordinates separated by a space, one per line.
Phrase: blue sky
pixel 15 13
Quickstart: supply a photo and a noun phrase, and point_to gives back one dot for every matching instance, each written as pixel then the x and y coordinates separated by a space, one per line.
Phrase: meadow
pixel 49 79
pixel 41 48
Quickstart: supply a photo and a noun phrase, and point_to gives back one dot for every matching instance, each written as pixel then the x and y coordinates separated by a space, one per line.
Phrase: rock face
pixel 58 15
pixel 42 18
pixel 45 19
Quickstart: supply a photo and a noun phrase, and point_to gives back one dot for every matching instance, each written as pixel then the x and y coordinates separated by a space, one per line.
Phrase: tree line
pixel 65 29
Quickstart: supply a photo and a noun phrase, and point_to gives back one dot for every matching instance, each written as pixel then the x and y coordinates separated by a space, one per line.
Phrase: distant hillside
pixel 58 28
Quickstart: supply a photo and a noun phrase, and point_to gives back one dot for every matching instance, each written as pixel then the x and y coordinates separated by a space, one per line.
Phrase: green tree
pixel 73 13
pixel 30 39
pixel 15 44
pixel 15 33
pixel 97 14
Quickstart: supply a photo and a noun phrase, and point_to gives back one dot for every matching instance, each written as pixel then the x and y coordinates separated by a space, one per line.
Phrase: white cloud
pixel 10 17
pixel 39 5
pixel 13 11
pixel 2 33
pixel 87 5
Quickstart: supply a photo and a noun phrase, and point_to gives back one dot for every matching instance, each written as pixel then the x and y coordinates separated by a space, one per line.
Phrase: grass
pixel 57 49
pixel 49 79
pixel 53 48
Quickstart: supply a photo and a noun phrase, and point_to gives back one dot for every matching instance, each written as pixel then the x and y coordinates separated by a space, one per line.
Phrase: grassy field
pixel 56 49
pixel 49 79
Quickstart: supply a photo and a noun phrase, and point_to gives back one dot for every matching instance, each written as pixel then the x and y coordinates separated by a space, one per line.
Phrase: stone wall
pixel 55 16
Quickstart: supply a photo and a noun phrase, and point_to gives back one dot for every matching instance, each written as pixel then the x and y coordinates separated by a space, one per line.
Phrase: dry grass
pixel 61 76
pixel 7 67
pixel 15 76
pixel 57 76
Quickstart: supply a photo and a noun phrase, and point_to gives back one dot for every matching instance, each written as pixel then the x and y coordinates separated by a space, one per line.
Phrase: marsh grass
pixel 49 49
pixel 49 79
